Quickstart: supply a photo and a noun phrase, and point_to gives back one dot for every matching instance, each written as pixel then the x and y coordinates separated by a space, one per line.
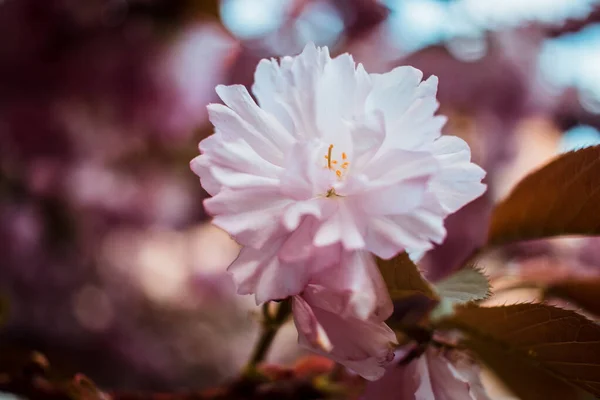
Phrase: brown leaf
pixel 403 278
pixel 561 198
pixel 412 295
pixel 539 351
pixel 582 292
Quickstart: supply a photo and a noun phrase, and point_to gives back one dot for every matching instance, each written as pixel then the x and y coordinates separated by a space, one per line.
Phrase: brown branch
pixel 32 382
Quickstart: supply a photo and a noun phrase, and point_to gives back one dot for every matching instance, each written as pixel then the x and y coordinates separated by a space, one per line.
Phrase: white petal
pixel 306 175
pixel 386 238
pixel 394 92
pixel 344 226
pixel 280 280
pixel 396 199
pixel 394 165
pixel 238 99
pixel 459 180
pixel 251 216
pixel 201 167
pixel 335 96
pixel 259 271
pixel 288 91
pixel 237 155
pixel 319 208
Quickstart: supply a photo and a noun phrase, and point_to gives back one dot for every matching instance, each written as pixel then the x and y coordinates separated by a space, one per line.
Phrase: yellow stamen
pixel 343 156
pixel 338 173
pixel 345 165
pixel 329 156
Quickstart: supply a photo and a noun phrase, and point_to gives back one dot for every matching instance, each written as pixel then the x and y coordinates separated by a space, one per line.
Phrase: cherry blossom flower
pixel 331 159
pixel 436 375
pixel 329 321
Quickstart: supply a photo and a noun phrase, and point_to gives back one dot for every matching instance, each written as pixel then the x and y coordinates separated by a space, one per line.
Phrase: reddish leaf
pixel 412 295
pixel 403 278
pixel 561 198
pixel 540 351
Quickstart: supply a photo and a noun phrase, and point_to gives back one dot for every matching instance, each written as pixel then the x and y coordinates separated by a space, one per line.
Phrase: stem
pixel 270 326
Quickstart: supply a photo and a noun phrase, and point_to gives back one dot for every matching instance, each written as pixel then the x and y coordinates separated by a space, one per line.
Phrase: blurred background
pixel 107 262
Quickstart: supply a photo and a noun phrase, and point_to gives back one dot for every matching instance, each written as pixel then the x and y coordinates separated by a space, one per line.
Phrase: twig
pixel 271 325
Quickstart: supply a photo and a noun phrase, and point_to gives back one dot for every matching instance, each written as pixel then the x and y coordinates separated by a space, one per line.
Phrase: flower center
pixel 340 167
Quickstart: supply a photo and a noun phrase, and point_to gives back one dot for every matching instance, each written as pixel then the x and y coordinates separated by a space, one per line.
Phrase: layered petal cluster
pixel 332 165
pixel 436 375
pixel 332 159
pixel 337 317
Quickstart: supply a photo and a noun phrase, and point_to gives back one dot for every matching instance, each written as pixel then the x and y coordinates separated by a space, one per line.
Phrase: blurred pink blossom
pixel 196 61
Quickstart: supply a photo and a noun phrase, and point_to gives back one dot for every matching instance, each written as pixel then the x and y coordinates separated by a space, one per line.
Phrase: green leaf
pixel 582 292
pixel 561 198
pixel 403 278
pixel 467 285
pixel 539 351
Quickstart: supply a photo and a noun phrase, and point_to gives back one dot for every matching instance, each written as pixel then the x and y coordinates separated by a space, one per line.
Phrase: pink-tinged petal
pixel 201 167
pixel 298 245
pixel 397 199
pixel 420 122
pixel 247 268
pixel 335 97
pixel 394 92
pixel 306 175
pixel 288 90
pixel 267 126
pixel 280 280
pixel 254 228
pixel 343 226
pixel 386 238
pixel 318 208
pixel 459 180
pixel 239 201
pixel 231 126
pixel 398 383
pixel 240 180
pixel 367 139
pixel 266 81
pixel 251 216
pixel 433 376
pixel 352 287
pixel 259 271
pixel 444 380
pixel 424 224
pixel 364 86
pixel 363 346
pixel 310 332
pixel 237 155
pixel 395 165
